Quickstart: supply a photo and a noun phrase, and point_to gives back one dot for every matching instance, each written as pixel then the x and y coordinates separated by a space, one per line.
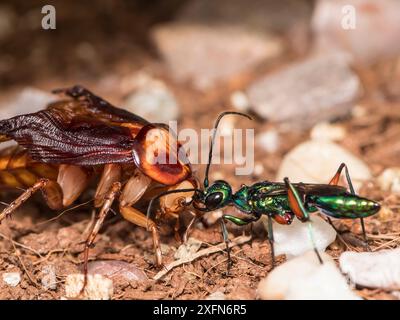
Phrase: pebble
pixel 27 101
pixel 389 180
pixel 328 131
pixel 218 295
pixel 204 54
pixel 186 250
pixel 304 278
pixel 320 88
pixel 372 37
pixel 117 268
pixel 12 278
pixel 380 269
pixel 294 239
pixel 240 101
pixel 97 288
pixel 152 100
pixel 268 141
pixel 7 21
pixel 317 162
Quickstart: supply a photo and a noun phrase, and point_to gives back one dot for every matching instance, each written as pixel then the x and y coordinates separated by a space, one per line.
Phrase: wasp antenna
pixel 223 114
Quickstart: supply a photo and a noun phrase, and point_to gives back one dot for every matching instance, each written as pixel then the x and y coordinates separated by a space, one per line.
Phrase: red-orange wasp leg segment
pixel 296 205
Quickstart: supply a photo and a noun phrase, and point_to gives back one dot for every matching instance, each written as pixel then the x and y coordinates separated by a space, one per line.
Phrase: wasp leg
pixel 271 240
pixel 51 191
pixel 108 201
pixel 239 222
pixel 226 240
pixel 335 181
pixel 296 205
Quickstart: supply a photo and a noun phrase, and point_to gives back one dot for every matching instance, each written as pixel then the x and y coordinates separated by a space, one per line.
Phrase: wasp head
pixel 216 196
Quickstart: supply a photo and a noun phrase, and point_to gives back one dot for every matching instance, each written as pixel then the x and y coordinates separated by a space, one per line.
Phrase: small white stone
pixel 294 240
pixel 186 250
pixel 27 101
pixel 317 162
pixel 268 141
pixel 152 100
pixel 218 295
pixel 97 287
pixel 304 278
pixel 379 269
pixel 12 278
pixel 389 180
pixel 240 101
pixel 258 169
pixel 328 131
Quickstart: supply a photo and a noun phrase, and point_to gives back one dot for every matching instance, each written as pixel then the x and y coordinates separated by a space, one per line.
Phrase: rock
pixel 218 295
pixel 271 15
pixel 7 21
pixel 328 131
pixel 186 250
pixel 318 89
pixel 152 100
pixel 373 269
pixel 240 101
pixel 268 141
pixel 206 54
pixel 371 36
pixel 116 268
pixel 389 180
pixel 97 288
pixel 294 240
pixel 318 161
pixel 304 278
pixel 12 278
pixel 27 101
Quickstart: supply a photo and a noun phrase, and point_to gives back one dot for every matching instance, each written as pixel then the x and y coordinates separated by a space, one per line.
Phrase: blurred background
pixel 320 77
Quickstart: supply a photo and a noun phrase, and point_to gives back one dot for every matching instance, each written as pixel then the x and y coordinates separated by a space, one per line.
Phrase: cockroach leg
pixel 98 222
pixel 111 173
pixel 51 191
pixel 136 217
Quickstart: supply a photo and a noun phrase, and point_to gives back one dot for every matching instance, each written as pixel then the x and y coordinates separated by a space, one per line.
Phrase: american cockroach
pixel 73 141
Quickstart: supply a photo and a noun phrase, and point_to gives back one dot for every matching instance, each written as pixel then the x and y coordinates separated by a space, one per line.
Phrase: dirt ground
pixel 30 243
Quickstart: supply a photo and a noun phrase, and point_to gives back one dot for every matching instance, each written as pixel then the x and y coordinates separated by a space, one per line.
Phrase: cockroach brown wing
pixel 89 131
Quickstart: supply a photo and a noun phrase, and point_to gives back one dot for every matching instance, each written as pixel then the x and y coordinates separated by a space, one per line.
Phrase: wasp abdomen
pixel 345 206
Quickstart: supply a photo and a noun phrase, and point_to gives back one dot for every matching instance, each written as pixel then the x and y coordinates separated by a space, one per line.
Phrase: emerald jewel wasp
pixel 279 201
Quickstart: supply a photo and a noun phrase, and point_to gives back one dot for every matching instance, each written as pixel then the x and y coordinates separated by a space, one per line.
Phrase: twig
pixel 23 266
pixel 205 252
pixel 20 245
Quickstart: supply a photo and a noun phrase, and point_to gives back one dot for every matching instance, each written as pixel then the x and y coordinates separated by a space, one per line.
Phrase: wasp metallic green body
pixel 279 201
pixel 271 198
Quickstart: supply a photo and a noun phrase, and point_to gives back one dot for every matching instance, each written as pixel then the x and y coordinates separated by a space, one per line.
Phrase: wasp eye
pixel 214 200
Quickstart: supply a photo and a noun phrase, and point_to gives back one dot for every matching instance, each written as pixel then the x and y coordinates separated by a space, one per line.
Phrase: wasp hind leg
pixel 335 181
pixel 296 205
